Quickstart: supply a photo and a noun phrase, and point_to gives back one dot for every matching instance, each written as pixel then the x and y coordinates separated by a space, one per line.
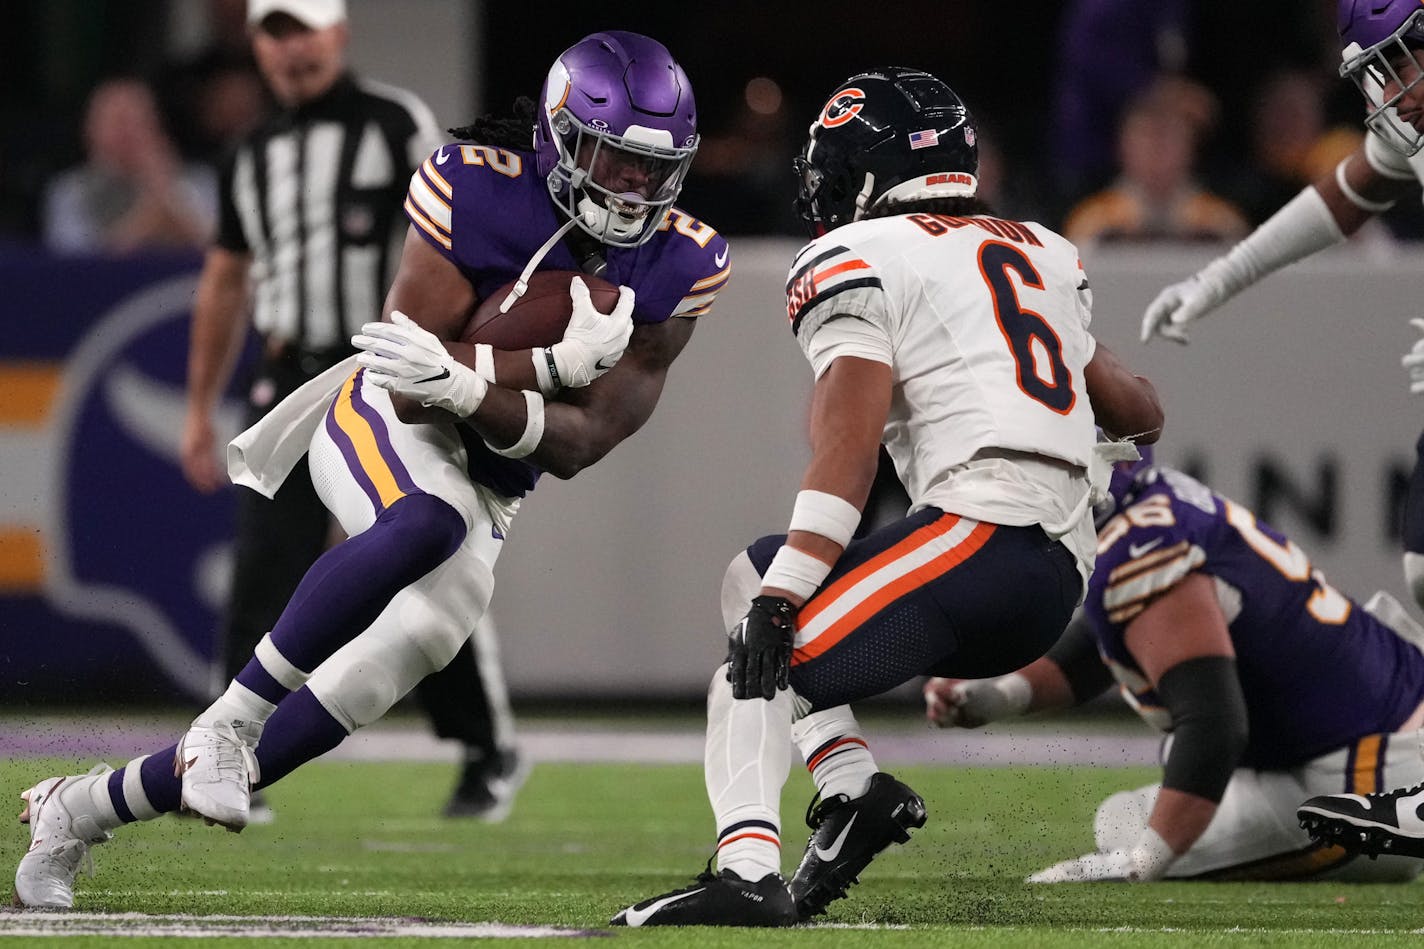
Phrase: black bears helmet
pixel 889 134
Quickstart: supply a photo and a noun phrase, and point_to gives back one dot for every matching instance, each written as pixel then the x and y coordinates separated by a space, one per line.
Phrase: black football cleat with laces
pixel 846 835
pixel 1386 822
pixel 716 899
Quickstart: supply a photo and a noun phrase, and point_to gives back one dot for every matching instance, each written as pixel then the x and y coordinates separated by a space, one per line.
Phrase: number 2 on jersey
pixel 1021 327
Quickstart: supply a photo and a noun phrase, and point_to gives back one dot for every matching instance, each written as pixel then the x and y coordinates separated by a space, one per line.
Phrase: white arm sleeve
pixel 1301 228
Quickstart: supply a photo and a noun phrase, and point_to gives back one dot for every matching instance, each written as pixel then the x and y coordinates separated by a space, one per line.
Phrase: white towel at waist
pixel 265 454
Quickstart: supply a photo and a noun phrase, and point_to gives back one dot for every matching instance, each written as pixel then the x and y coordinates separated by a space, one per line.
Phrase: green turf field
pixel 361 840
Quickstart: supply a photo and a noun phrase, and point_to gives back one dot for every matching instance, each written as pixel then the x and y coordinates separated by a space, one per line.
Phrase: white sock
pixel 748 756
pixel 240 707
pixel 835 752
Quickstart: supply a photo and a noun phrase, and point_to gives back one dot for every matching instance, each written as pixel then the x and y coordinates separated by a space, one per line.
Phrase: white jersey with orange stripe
pixel 984 323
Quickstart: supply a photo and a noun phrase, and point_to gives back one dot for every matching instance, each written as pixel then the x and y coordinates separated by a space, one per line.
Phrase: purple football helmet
pixel 617 131
pixel 1376 38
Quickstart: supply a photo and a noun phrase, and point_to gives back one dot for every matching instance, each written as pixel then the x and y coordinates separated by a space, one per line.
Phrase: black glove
pixel 760 649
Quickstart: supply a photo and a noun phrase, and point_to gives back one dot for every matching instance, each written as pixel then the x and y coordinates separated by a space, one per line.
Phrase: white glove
pixel 1089 868
pixel 405 358
pixel 1180 304
pixel 1147 860
pixel 1414 360
pixel 969 703
pixel 593 342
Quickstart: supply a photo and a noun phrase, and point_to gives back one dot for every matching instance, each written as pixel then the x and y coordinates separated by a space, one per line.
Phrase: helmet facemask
pixel 1390 61
pixel 618 188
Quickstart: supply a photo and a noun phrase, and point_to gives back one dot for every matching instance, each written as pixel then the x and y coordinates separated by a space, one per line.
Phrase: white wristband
pixel 831 516
pixel 1149 858
pixel 533 428
pixel 484 361
pixel 796 572
pixel 1355 198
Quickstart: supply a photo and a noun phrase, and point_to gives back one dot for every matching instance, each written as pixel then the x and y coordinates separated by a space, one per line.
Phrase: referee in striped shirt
pixel 310 229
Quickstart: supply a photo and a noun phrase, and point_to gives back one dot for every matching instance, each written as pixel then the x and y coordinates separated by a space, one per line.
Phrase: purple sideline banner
pixel 112 569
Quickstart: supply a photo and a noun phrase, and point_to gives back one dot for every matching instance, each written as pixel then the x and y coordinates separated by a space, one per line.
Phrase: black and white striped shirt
pixel 314 195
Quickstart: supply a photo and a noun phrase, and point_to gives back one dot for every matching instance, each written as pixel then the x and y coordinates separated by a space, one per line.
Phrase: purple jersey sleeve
pixel 1318 671
pixel 678 272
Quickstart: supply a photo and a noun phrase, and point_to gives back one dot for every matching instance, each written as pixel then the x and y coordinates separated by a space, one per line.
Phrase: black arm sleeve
pixel 1076 654
pixel 1209 725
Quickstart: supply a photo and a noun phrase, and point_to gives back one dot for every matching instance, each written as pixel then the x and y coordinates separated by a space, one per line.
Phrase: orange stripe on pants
pixel 920 576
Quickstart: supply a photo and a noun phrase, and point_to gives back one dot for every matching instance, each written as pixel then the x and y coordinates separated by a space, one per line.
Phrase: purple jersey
pixel 1317 671
pixel 487 211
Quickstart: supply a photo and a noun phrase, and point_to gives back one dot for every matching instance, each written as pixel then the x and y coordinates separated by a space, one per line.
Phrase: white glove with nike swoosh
pixel 593 342
pixel 405 358
pixel 1414 360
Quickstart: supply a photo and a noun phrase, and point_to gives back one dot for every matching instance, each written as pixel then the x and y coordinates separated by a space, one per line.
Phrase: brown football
pixel 539 316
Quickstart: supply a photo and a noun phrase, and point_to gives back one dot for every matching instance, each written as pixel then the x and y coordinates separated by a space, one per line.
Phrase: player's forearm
pixel 1081 673
pixel 833 491
pixel 219 326
pixel 1050 687
pixel 512 369
pixel 1180 818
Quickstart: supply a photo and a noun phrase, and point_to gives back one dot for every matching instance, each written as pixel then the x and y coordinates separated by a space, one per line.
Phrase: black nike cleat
pixel 1388 822
pixel 716 899
pixel 846 835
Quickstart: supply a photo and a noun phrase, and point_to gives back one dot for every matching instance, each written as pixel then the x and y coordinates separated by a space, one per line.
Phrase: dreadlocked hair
pixel 515 130
pixel 951 207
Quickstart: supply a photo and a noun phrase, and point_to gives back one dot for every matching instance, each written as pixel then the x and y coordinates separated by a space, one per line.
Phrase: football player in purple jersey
pixel 1382 46
pixel 1273 685
pixel 423 448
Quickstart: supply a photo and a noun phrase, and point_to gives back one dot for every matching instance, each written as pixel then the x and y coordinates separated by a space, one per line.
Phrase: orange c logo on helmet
pixel 843 107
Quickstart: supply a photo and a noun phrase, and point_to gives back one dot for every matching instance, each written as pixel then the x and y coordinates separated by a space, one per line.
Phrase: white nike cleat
pixel 218 768
pixel 1385 822
pixel 59 844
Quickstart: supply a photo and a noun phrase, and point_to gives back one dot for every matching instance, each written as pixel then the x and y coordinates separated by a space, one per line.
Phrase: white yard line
pixel 185 926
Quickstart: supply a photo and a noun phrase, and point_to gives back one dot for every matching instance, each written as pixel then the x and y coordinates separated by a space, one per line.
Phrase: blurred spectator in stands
pixel 1156 195
pixel 744 170
pixel 1110 52
pixel 133 189
pixel 1290 143
pixel 212 98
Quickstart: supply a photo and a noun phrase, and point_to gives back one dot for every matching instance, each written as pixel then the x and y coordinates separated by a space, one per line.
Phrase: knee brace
pixel 365 678
pixel 419 632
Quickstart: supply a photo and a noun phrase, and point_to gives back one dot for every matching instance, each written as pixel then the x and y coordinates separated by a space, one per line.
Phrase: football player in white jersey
pixel 960 341
pixel 1382 51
